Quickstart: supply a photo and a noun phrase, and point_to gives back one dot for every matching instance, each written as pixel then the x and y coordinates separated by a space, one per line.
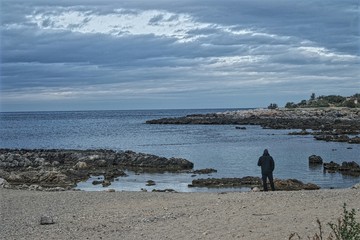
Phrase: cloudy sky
pixel 141 54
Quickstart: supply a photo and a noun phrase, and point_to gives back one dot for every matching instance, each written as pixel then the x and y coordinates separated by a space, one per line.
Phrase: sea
pixel 232 152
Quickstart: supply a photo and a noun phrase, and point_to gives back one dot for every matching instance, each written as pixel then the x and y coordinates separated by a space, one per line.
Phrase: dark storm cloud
pixel 113 50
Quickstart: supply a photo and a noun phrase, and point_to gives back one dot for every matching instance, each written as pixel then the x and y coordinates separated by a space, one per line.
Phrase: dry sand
pixel 146 215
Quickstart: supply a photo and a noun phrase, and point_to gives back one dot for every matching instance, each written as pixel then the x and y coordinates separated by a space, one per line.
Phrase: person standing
pixel 267 164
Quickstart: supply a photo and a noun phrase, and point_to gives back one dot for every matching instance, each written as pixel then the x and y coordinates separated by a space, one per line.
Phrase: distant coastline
pixel 330 123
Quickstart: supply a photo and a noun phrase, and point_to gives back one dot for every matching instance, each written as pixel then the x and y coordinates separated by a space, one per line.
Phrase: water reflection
pixel 138 182
pixel 315 167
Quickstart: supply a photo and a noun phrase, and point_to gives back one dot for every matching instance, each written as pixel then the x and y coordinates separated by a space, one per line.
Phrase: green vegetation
pixel 327 101
pixel 273 106
pixel 346 228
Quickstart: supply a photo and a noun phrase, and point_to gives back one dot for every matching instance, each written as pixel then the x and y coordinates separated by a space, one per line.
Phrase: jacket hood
pixel 266 153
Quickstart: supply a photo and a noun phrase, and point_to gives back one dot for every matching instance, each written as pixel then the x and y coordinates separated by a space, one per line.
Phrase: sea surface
pixel 232 152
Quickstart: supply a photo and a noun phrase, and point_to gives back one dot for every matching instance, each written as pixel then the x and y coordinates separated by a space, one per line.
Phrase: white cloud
pixel 120 23
pixel 325 54
pixel 128 50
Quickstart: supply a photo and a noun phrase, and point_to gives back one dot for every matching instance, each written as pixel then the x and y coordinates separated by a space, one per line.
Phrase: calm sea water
pixel 234 153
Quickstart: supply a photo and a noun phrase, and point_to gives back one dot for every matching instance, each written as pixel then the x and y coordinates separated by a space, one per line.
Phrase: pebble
pixel 46 220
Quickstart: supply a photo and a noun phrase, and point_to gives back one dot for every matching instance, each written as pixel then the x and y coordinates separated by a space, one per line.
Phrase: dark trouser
pixel 270 177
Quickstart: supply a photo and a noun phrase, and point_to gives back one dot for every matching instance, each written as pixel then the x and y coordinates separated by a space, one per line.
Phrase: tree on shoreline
pixel 327 101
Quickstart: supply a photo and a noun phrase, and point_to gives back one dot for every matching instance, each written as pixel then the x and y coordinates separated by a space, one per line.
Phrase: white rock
pixel 55 163
pixel 3 183
pixel 80 165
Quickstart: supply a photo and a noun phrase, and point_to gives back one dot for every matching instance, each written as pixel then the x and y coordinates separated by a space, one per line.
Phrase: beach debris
pixel 46 220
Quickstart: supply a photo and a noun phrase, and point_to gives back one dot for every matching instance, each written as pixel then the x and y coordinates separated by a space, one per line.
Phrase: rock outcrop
pixel 252 182
pixel 204 171
pixel 347 168
pixel 314 159
pixel 64 168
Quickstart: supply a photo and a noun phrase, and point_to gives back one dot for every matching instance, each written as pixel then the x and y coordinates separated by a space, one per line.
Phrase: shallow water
pixel 233 152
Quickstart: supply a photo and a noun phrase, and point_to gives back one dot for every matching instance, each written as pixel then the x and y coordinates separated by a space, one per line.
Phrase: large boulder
pixel 226 182
pixel 3 183
pixel 314 159
pixel 80 166
pixel 149 161
pixel 53 178
pixel 42 178
pixel 101 163
pixel 331 166
pixel 293 185
pixel 350 168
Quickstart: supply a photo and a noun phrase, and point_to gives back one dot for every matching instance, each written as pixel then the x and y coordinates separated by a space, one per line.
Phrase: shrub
pixel 290 105
pixel 346 228
pixel 349 104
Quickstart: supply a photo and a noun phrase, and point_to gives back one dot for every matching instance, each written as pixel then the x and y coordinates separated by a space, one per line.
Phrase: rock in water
pixel 150 183
pixel 313 159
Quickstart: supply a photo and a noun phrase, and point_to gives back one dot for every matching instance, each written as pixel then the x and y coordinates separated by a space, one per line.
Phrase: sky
pixel 165 54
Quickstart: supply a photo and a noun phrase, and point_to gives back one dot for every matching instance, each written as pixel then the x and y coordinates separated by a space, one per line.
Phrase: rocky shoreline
pixel 60 170
pixel 328 124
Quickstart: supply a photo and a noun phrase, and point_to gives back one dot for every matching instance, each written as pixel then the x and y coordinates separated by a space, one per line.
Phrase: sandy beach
pixel 147 215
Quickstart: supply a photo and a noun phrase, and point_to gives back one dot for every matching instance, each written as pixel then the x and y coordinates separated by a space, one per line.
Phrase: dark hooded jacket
pixel 266 162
